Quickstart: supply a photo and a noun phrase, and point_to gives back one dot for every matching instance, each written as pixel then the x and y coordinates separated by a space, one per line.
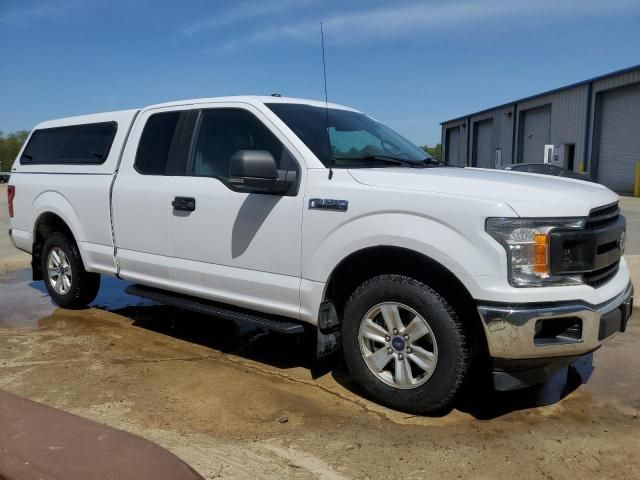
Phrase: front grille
pixel 599 277
pixel 602 216
pixel 593 252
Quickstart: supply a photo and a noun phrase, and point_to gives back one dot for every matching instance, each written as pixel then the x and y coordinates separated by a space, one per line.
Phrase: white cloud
pixel 401 20
pixel 46 10
pixel 244 11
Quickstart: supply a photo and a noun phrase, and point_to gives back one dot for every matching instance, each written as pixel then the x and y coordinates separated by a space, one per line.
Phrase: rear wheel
pixel 68 283
pixel 404 344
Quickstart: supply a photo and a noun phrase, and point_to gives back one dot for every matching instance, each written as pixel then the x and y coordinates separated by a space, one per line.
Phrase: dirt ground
pixel 238 403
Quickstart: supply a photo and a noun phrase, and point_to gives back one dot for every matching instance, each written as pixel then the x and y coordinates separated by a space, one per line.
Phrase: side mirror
pixel 256 171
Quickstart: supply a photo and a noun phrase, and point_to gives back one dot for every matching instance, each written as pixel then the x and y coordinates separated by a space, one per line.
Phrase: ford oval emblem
pixel 398 343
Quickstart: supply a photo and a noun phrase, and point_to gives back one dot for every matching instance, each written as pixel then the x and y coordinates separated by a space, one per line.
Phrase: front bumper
pixel 511 330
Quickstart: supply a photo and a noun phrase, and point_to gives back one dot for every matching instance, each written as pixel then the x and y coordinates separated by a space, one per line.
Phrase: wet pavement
pixel 239 402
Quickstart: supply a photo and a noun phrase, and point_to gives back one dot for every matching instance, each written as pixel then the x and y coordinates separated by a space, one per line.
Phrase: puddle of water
pixel 112 296
pixel 23 302
pixel 22 306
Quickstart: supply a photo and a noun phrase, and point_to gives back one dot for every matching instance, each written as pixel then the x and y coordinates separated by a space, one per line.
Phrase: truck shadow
pixel 491 404
pixel 285 352
pixel 278 350
pixel 480 400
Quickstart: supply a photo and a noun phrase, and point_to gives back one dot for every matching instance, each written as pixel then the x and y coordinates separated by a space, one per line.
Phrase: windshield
pixel 341 138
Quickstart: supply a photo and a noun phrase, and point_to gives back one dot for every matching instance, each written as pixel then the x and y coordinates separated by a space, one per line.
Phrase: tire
pixel 83 286
pixel 432 370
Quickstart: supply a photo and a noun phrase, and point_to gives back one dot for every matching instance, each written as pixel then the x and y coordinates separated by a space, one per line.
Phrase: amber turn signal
pixel 541 253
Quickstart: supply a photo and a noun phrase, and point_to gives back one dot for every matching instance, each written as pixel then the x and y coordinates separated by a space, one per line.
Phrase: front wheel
pixel 68 283
pixel 404 344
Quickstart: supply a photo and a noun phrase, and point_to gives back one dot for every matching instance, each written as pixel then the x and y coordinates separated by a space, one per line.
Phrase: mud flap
pixel 328 334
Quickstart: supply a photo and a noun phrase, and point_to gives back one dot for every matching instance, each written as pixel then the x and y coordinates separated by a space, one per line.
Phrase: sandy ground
pixel 238 403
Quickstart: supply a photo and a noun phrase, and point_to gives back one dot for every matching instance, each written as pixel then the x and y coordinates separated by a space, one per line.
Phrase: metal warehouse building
pixel 591 126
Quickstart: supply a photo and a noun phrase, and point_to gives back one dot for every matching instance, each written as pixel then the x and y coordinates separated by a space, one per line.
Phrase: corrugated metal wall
pixel 568 113
pixel 574 119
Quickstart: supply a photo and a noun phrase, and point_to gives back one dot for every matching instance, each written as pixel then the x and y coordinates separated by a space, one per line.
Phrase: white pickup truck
pixel 298 215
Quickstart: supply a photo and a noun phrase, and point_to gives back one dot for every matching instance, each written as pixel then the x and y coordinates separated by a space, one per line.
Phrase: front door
pixel 239 248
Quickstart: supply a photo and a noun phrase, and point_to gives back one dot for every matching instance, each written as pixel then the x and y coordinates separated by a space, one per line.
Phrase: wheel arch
pixel 45 224
pixel 369 262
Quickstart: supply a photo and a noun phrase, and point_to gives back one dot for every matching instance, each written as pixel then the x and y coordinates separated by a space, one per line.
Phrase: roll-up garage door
pixel 482 155
pixel 619 138
pixel 453 146
pixel 534 134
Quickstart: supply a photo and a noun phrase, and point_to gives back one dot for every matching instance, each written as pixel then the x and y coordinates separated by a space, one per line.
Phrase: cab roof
pixel 129 114
pixel 253 99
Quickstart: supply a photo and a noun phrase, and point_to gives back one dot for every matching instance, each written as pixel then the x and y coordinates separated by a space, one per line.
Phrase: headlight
pixel 527 244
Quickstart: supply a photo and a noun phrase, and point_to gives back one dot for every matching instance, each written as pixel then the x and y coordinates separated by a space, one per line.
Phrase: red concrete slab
pixel 40 442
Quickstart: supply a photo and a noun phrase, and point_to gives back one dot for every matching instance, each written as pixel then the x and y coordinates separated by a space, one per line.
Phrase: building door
pixel 535 125
pixel 619 148
pixel 482 151
pixel 453 146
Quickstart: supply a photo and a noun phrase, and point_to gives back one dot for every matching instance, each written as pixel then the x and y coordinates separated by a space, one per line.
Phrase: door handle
pixel 184 204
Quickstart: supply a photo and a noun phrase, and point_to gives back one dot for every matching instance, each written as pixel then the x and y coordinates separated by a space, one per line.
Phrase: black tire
pixel 84 285
pixel 453 344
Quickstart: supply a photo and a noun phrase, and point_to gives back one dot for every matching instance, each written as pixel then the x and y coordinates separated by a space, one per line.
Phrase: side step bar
pixel 207 307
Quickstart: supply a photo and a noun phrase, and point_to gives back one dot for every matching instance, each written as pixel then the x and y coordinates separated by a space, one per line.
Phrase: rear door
pixel 143 193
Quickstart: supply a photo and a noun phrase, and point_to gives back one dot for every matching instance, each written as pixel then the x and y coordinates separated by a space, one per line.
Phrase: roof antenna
pixel 326 98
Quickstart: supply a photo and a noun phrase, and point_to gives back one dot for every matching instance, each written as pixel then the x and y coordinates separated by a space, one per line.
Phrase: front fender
pixel 463 251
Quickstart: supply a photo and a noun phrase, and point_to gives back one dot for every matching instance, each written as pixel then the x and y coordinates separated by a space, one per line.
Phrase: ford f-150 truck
pixel 296 215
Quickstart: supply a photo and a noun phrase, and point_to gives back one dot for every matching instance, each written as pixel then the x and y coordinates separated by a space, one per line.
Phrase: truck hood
pixel 528 194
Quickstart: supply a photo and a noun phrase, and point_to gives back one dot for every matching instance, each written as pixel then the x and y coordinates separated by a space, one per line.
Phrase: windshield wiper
pixel 384 159
pixel 434 161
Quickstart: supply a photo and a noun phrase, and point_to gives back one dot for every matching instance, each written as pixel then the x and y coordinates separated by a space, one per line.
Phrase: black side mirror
pixel 256 171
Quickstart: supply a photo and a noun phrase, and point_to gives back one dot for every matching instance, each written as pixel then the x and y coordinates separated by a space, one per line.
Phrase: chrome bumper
pixel 511 330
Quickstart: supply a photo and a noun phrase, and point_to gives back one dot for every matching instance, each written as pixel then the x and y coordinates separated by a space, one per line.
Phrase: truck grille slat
pixel 602 216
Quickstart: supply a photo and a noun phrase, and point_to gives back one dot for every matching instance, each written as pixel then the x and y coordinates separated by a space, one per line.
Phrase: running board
pixel 207 307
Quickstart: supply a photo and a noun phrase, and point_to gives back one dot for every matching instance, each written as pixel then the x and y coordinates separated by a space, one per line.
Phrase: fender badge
pixel 328 204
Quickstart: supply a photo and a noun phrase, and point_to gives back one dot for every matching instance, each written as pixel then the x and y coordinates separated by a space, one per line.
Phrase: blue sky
pixel 411 64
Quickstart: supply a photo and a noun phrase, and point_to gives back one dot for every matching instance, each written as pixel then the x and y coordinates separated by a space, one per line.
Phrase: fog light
pixel 558 331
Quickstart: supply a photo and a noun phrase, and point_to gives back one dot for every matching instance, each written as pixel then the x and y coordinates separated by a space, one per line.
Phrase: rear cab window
pixel 87 144
pixel 155 143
